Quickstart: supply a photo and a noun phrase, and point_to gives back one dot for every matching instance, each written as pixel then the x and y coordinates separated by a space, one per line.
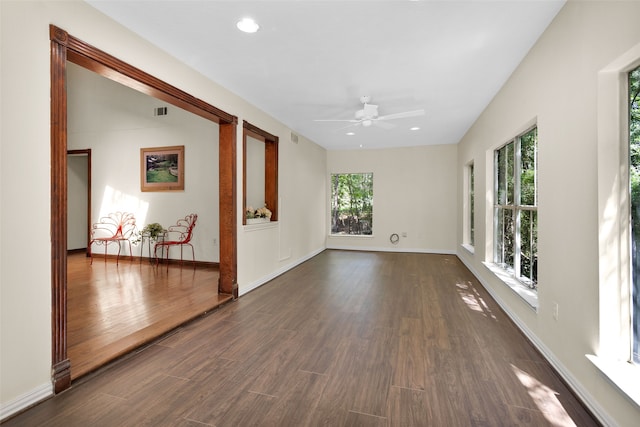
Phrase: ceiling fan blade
pixel 383 125
pixel 356 123
pixel 336 120
pixel 413 113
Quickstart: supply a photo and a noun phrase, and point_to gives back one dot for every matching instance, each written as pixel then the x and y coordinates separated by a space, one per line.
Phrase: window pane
pixel 505 237
pixel 634 173
pixel 352 204
pixel 529 248
pixel 528 161
pixel 504 162
pixel 516 220
pixel 471 204
pixel 510 173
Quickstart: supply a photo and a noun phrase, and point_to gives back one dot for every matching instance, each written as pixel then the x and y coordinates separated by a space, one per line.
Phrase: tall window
pixel 471 207
pixel 352 204
pixel 634 175
pixel 515 209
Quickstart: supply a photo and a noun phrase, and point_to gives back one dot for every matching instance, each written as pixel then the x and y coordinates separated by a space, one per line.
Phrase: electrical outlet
pixel 555 311
pixel 404 234
pixel 215 241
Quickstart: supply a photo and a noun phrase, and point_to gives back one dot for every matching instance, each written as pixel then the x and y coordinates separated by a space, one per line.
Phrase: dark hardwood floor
pixel 114 308
pixel 345 339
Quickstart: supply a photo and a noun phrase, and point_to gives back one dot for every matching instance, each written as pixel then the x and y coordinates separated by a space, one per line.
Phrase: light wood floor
pixel 114 308
pixel 345 339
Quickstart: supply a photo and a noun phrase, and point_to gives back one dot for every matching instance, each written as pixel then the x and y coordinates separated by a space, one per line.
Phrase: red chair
pixel 113 228
pixel 179 234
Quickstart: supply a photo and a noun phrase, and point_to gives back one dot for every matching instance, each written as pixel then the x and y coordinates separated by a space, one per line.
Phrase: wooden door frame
pixel 65 47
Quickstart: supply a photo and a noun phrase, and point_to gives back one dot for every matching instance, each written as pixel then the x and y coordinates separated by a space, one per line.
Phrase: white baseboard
pixel 393 249
pixel 603 417
pixel 26 400
pixel 261 281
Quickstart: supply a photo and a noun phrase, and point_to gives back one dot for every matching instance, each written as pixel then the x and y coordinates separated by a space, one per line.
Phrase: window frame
pixel 634 357
pixel 513 203
pixel 331 233
pixel 612 352
pixel 270 168
pixel 468 240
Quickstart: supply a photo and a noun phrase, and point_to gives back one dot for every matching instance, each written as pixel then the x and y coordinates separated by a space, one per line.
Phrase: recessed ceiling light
pixel 248 25
pixel 415 128
pixel 350 133
pixel 361 145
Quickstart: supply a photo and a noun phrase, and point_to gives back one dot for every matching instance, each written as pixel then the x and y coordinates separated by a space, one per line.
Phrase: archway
pixel 65 47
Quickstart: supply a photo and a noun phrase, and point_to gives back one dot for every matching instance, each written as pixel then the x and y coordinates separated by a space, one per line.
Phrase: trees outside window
pixel 634 175
pixel 515 209
pixel 352 204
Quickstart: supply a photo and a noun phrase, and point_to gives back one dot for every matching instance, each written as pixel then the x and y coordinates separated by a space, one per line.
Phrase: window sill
pixel 530 296
pixel 260 226
pixel 469 248
pixel 624 375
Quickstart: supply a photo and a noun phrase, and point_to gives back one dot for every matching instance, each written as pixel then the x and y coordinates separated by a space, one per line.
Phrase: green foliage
pixel 634 150
pixel 352 203
pixel 152 230
pixel 512 211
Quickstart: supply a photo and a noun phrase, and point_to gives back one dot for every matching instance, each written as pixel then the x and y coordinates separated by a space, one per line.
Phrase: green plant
pixel 152 230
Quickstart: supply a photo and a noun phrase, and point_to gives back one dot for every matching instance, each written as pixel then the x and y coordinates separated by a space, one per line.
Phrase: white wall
pixel 556 87
pixel 414 192
pixel 300 230
pixel 77 201
pixel 25 281
pixel 115 122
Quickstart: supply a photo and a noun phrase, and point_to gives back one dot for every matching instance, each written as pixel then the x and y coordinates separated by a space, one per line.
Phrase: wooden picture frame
pixel 162 168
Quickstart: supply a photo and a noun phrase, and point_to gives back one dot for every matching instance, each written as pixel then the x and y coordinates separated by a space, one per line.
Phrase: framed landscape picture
pixel 162 168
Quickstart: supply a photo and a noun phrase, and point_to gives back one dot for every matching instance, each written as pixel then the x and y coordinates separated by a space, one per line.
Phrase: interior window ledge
pixel 357 236
pixel 624 375
pixel 469 248
pixel 260 226
pixel 529 295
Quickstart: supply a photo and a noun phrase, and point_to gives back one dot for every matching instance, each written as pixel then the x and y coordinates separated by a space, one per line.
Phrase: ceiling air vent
pixel 160 111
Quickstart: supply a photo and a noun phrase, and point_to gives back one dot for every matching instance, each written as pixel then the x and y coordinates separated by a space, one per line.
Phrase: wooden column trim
pixel 227 283
pixel 61 368
pixel 271 176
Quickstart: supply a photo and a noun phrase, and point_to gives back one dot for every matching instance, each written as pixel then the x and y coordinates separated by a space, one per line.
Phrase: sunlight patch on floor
pixel 545 399
pixel 471 297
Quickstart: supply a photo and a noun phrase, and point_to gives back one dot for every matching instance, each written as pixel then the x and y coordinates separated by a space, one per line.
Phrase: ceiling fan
pixel 368 116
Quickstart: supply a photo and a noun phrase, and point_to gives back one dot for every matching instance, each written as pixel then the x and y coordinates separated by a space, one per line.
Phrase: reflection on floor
pixel 113 309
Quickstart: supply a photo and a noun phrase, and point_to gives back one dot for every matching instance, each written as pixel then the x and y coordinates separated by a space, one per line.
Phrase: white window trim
pixel 466 207
pixel 349 236
pixel 613 352
pixel 527 294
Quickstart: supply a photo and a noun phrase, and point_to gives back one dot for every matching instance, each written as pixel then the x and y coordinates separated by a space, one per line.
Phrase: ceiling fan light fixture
pixel 248 25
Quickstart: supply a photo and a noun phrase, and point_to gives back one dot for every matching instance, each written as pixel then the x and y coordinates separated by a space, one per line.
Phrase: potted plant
pixel 256 216
pixel 152 231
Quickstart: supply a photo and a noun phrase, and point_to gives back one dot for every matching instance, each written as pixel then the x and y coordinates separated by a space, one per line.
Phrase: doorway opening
pixel 65 47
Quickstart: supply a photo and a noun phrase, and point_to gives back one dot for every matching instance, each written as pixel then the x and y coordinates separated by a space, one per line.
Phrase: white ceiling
pixel 315 59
